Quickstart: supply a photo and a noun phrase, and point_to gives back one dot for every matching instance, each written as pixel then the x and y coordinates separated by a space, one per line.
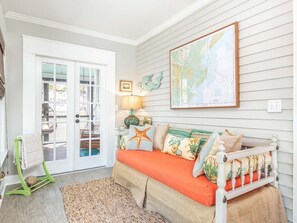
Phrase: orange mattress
pixel 176 173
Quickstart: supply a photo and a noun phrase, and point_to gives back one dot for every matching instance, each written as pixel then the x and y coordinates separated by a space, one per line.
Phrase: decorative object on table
pixel 204 72
pixel 151 82
pixel 31 180
pixel 147 120
pixel 141 119
pixel 126 86
pixel 141 138
pixel 131 102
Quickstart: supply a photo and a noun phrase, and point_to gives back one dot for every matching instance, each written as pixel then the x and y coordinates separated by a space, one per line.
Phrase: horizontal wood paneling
pixel 265 52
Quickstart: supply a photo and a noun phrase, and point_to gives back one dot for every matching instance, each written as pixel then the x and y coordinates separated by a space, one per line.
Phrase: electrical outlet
pixel 274 106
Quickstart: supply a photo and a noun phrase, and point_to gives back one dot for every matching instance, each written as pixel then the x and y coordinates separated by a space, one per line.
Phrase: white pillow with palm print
pixel 186 148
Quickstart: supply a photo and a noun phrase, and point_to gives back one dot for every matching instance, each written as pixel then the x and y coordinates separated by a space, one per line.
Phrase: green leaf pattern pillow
pixel 186 148
pixel 211 166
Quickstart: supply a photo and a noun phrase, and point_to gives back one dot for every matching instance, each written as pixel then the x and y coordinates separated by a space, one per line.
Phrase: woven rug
pixel 104 201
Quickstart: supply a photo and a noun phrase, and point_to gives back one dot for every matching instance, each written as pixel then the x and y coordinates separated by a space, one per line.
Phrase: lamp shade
pixel 131 102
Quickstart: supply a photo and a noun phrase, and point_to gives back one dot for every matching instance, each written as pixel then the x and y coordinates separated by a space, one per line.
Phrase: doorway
pixel 80 146
pixel 71 100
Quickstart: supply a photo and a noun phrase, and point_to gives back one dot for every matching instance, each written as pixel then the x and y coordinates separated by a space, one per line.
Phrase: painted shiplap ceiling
pixel 129 21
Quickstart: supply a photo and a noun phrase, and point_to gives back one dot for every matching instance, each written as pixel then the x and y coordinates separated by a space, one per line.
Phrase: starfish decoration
pixel 140 135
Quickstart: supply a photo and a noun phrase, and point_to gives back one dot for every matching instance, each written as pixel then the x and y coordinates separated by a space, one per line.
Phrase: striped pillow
pixel 202 134
pixel 180 132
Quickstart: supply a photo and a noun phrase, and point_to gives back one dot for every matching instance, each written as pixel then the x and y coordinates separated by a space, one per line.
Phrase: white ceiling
pixel 131 20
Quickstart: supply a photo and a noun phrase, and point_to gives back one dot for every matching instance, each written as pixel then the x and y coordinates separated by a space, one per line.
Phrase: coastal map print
pixel 203 72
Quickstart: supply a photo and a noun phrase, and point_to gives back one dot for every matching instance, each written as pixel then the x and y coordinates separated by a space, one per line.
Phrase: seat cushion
pixel 174 172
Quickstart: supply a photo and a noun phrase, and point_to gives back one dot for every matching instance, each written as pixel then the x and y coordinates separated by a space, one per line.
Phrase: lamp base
pixel 131 120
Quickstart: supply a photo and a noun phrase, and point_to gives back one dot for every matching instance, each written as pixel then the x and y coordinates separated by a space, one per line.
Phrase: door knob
pixel 77 115
pixel 77 120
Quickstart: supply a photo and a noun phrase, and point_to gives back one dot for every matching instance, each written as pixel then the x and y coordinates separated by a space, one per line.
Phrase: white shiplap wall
pixel 266 72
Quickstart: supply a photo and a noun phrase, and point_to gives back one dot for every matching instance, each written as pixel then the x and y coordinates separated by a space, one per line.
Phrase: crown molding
pixel 173 20
pixel 162 27
pixel 62 26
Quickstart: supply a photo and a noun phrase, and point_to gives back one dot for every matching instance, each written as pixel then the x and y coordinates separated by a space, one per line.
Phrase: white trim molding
pixel 294 111
pixel 173 20
pixel 62 26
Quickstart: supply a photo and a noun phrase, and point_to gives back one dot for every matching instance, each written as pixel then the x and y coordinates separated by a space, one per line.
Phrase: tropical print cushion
pixel 123 141
pixel 141 138
pixel 186 148
pixel 180 132
pixel 202 134
pixel 198 167
pixel 211 166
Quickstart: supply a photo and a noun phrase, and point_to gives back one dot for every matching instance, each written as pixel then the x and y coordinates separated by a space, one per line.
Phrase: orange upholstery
pixel 174 172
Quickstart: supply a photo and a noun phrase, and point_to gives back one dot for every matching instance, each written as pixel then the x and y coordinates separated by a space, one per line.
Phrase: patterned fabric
pixel 203 135
pixel 123 141
pixel 198 167
pixel 160 135
pixel 211 166
pixel 186 148
pixel 180 132
pixel 141 138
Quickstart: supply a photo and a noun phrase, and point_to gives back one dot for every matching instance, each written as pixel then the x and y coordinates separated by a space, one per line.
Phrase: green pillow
pixel 141 138
pixel 179 132
pixel 203 135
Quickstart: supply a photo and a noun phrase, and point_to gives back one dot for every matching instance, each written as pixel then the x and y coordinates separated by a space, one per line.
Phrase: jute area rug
pixel 104 201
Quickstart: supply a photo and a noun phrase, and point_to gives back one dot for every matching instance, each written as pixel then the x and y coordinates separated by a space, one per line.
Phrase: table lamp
pixel 131 102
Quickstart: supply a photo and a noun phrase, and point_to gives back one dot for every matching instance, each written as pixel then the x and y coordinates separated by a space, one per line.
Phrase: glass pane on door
pixel 89 112
pixel 54 111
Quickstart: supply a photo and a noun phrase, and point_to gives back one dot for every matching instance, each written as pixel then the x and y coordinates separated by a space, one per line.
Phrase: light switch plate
pixel 274 106
pixel 116 108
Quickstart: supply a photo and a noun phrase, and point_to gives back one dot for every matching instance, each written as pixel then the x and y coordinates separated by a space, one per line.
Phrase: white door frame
pixel 34 46
pixel 294 111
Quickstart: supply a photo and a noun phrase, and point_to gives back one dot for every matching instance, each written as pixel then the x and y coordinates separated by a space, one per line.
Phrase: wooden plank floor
pixel 46 204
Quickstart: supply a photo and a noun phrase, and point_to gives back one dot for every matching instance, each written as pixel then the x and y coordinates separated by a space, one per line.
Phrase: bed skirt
pixel 262 205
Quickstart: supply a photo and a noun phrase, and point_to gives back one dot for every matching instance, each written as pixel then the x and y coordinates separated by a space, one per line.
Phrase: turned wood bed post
pixel 221 200
pixel 274 160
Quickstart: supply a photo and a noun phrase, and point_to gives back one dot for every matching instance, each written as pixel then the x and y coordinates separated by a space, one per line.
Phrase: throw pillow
pixel 183 147
pixel 204 135
pixel 160 135
pixel 232 143
pixel 141 138
pixel 238 144
pixel 211 166
pixel 198 167
pixel 180 132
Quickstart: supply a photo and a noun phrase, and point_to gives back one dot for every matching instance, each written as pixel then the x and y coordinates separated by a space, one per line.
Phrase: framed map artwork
pixel 204 73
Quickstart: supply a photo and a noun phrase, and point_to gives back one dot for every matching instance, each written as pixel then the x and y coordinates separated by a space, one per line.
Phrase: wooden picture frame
pixel 126 86
pixel 204 73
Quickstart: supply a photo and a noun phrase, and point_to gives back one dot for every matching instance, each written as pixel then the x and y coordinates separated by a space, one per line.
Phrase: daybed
pixel 164 183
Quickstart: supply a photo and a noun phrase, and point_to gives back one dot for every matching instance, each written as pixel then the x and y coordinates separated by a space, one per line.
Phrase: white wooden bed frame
pixel 223 196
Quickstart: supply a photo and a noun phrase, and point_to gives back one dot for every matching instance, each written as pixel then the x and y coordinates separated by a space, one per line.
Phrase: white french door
pixel 70 114
pixel 88 112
